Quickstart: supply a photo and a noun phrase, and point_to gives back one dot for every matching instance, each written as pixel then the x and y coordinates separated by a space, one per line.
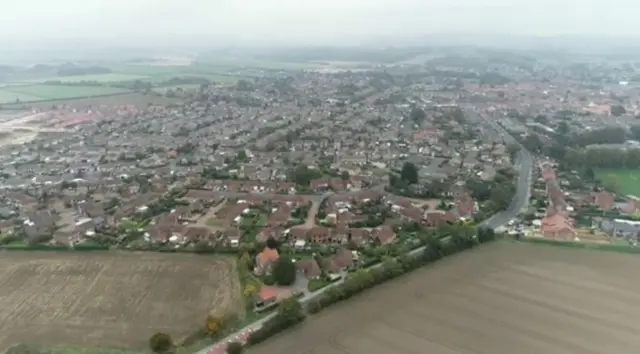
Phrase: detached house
pixel 265 261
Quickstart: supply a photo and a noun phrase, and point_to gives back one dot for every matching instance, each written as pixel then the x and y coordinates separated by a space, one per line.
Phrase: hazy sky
pixel 311 20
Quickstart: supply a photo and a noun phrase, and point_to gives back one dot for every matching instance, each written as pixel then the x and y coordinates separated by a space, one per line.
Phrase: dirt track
pixel 505 298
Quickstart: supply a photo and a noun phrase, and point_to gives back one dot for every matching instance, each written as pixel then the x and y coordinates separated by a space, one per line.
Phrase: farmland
pixel 109 300
pixel 7 96
pixel 102 78
pixel 56 92
pixel 137 99
pixel 503 298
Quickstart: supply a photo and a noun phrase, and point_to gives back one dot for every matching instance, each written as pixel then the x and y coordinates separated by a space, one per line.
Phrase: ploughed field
pixel 111 300
pixel 503 298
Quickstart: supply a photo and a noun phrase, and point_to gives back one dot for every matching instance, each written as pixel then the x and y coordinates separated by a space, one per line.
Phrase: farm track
pixel 112 300
pixel 502 298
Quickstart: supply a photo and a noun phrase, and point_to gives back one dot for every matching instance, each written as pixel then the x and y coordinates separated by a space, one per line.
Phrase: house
pixel 198 233
pixel 558 226
pixel 384 234
pixel 621 228
pixel 265 260
pixel 604 200
pixel 320 186
pixel 267 296
pixel 340 262
pixel 435 218
pixel 310 268
pixel 232 236
pixel 465 205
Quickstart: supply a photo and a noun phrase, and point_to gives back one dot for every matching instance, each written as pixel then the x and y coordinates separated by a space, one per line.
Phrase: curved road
pixel 525 164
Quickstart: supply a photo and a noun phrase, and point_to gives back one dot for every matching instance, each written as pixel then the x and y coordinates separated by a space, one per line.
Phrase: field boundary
pixel 582 245
pixel 100 248
pixel 63 99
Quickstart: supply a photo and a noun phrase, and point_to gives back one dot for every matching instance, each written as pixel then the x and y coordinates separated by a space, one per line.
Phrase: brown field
pixel 504 298
pixel 112 300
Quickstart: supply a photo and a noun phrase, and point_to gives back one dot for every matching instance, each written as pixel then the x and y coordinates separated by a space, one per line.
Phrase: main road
pixel 525 163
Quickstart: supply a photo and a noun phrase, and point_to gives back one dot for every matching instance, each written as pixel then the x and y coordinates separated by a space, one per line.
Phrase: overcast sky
pixel 311 20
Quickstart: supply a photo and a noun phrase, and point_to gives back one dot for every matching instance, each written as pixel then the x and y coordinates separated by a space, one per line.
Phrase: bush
pixel 234 348
pixel 269 280
pixel 314 306
pixel 160 343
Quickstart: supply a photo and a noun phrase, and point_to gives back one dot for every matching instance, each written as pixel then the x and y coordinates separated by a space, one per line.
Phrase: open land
pixel 628 180
pixel 113 300
pixel 137 99
pixel 104 78
pixel 501 298
pixel 56 92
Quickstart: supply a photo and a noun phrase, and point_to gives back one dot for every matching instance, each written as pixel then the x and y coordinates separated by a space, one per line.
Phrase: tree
pixel 562 128
pixel 409 173
pixel 250 290
pixel 391 267
pixel 417 115
pixel 290 311
pixel 245 260
pixel 234 348
pixel 284 271
pixel 214 324
pixel 589 174
pixel 272 243
pixel 160 343
pixel 617 110
pixel 345 175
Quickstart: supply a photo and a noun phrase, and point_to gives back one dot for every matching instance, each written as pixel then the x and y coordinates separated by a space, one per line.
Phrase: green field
pixel 57 92
pixel 625 181
pixel 104 78
pixel 10 97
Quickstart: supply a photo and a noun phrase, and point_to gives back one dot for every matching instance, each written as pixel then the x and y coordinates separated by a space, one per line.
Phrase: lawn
pixel 56 92
pixel 627 181
pixel 317 284
pixel 214 222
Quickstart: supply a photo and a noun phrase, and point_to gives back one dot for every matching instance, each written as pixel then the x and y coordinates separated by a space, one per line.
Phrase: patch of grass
pixel 317 284
pixel 628 180
pixel 214 222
